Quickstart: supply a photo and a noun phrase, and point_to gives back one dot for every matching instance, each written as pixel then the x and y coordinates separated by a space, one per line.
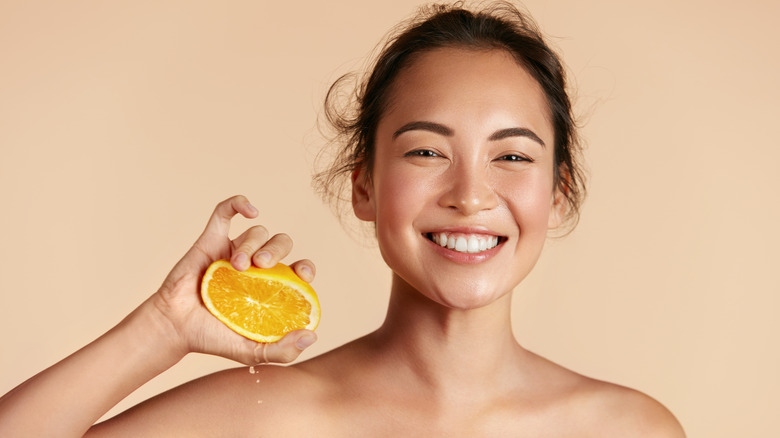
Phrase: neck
pixel 448 349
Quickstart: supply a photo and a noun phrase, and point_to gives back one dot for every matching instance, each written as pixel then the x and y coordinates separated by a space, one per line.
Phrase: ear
pixel 559 203
pixel 363 196
pixel 558 206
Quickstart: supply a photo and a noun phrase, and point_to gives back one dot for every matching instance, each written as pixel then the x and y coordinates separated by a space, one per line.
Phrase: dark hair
pixel 355 116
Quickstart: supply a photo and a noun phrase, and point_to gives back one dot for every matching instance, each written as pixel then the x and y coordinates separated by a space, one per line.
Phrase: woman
pixel 462 154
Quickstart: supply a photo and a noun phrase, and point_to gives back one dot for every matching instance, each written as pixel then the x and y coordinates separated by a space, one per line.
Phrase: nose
pixel 469 190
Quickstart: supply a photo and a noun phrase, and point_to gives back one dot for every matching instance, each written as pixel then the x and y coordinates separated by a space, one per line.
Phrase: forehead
pixel 474 90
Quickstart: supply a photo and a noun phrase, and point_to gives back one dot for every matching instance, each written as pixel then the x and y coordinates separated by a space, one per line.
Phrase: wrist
pixel 156 334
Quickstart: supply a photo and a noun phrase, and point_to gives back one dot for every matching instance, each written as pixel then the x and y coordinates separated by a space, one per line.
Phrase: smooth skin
pixel 465 148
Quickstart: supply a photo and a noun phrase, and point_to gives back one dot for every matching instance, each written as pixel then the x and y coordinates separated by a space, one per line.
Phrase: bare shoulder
pixel 618 411
pixel 236 402
pixel 246 401
pixel 583 406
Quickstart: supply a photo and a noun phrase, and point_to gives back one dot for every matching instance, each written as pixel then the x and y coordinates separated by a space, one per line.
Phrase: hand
pixel 179 300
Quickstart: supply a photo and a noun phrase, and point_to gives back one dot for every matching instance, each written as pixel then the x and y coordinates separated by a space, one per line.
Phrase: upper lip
pixel 464 230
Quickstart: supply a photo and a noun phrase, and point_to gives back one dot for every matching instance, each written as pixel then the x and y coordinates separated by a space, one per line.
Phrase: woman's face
pixel 462 189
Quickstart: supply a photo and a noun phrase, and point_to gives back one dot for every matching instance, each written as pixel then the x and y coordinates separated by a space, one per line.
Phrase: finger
pixel 219 222
pixel 273 251
pixel 289 347
pixel 305 269
pixel 246 245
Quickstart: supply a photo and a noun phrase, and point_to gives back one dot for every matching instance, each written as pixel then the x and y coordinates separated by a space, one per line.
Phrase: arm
pixel 67 398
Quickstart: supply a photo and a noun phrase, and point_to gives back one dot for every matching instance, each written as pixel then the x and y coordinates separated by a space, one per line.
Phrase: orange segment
pixel 260 304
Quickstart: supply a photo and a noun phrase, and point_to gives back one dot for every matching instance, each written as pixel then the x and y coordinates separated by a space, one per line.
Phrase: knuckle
pixel 224 203
pixel 221 211
pixel 245 247
pixel 230 203
pixel 287 355
pixel 259 230
pixel 283 238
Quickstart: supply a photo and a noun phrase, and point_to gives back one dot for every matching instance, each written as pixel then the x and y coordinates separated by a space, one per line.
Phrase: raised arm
pixel 67 398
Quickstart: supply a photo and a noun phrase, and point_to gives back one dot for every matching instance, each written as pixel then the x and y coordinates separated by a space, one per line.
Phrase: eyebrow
pixel 515 132
pixel 436 128
pixel 446 131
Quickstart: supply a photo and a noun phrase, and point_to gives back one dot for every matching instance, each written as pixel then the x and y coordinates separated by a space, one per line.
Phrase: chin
pixel 466 298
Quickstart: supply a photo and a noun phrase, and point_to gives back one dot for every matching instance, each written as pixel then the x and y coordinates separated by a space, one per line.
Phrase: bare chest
pixel 414 419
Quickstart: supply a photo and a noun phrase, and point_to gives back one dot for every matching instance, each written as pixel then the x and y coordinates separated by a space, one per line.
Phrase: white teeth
pixel 473 244
pixel 467 244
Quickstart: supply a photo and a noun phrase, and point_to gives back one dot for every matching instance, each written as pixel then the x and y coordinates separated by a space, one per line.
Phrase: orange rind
pixel 260 304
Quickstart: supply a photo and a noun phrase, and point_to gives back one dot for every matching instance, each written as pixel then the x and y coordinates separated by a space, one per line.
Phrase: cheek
pixel 531 202
pixel 397 200
pixel 398 203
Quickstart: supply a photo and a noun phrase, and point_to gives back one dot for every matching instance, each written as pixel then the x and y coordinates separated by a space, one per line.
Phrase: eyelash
pixel 427 153
pixel 422 153
pixel 515 158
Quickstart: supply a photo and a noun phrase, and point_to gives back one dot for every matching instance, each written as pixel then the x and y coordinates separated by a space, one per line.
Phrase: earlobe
pixel 557 210
pixel 559 205
pixel 362 196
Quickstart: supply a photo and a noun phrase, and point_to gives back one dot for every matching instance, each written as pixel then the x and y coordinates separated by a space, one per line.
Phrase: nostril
pixel 469 194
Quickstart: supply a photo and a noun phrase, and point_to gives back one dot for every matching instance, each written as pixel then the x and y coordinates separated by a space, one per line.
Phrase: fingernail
pixel 252 208
pixel 240 261
pixel 305 341
pixel 306 273
pixel 263 257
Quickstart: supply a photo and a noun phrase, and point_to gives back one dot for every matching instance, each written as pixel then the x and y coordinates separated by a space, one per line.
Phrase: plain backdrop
pixel 122 124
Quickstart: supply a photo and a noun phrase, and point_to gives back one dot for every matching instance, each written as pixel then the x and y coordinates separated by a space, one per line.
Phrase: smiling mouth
pixel 465 243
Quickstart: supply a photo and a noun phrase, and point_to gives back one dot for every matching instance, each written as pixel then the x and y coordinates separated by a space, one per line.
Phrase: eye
pixel 514 157
pixel 422 153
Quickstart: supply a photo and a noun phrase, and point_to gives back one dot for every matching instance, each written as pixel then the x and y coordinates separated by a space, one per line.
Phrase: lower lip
pixel 465 257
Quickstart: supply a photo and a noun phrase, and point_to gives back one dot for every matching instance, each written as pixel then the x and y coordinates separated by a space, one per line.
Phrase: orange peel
pixel 260 304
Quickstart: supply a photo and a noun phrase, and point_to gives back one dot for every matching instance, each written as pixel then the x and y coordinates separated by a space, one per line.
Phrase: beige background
pixel 123 123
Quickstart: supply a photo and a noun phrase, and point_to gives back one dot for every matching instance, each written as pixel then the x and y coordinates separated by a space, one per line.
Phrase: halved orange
pixel 260 304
